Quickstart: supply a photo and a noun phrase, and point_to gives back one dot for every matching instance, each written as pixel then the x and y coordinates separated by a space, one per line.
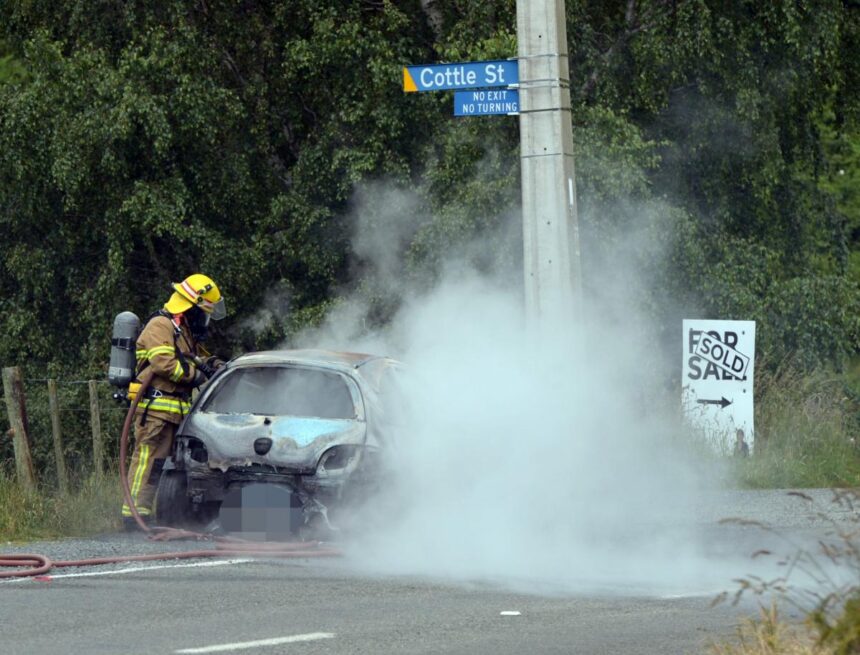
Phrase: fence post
pixel 54 410
pixel 16 408
pixel 96 423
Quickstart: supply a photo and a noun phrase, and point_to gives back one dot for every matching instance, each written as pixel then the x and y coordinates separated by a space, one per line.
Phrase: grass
pixel 807 431
pixel 768 635
pixel 831 606
pixel 92 507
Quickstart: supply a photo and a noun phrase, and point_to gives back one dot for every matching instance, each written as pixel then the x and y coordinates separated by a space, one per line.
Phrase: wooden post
pixel 16 408
pixel 54 410
pixel 96 423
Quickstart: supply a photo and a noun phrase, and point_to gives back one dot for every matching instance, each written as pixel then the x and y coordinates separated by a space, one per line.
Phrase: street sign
pixel 487 103
pixel 717 383
pixel 465 75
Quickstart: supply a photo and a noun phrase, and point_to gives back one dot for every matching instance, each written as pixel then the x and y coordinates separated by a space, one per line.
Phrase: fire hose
pixel 39 565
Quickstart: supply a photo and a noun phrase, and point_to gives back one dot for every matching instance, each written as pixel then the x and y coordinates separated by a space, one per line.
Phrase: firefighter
pixel 169 345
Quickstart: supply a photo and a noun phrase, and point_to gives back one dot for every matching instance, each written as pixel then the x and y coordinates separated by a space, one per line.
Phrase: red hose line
pixel 39 565
pixel 224 546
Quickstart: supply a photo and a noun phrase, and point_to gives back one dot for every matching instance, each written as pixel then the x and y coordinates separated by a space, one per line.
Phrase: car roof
pixel 361 364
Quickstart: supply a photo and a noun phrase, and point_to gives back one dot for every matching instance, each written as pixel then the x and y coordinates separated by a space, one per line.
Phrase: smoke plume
pixel 552 464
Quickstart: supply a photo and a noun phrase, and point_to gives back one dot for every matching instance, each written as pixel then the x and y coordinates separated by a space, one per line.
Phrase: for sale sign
pixel 717 383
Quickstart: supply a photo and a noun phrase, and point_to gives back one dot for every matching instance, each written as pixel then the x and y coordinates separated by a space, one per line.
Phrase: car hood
pixel 297 442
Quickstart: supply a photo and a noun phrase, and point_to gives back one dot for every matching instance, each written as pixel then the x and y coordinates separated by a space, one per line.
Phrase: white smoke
pixel 385 220
pixel 516 463
pixel 552 465
pixel 274 306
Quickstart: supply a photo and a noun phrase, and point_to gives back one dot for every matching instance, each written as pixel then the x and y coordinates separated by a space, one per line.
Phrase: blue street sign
pixel 465 75
pixel 486 103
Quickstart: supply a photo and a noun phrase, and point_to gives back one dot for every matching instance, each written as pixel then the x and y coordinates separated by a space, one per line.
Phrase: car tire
pixel 172 504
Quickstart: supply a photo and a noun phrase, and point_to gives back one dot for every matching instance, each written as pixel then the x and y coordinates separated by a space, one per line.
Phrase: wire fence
pixel 71 426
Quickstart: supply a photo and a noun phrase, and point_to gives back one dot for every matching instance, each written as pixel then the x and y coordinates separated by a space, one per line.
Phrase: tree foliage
pixel 735 114
pixel 140 141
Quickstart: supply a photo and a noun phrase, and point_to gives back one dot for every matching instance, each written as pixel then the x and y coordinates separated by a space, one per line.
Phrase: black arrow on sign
pixel 723 403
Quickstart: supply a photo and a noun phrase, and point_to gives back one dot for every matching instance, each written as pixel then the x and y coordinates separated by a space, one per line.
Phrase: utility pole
pixel 550 224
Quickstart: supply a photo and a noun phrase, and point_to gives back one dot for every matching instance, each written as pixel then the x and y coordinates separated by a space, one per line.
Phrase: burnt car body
pixel 312 422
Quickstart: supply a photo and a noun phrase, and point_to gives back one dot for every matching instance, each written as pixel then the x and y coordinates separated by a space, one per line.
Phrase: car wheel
pixel 172 504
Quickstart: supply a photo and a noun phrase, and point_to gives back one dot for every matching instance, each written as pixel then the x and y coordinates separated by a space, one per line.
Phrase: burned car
pixel 307 425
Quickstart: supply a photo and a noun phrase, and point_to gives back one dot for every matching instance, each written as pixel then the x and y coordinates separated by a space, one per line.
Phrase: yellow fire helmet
pixel 197 290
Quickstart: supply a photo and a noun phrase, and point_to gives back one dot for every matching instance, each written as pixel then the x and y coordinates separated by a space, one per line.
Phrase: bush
pixel 93 507
pixel 806 431
pixel 814 319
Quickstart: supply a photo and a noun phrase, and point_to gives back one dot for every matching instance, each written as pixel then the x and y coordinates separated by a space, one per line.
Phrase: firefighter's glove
pixel 207 369
pixel 214 362
pixel 200 378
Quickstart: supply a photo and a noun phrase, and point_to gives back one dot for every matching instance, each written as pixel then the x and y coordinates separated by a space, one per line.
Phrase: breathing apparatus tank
pixel 123 343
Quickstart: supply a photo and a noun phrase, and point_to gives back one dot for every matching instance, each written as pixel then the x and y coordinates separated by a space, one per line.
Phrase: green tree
pixel 11 69
pixel 716 110
pixel 152 140
pixel 147 140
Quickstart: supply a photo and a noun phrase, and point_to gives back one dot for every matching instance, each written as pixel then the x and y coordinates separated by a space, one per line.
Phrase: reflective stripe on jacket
pixel 165 404
pixel 156 350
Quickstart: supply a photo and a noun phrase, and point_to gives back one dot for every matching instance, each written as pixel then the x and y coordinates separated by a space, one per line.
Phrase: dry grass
pixel 807 432
pixel 831 606
pixel 92 507
pixel 768 635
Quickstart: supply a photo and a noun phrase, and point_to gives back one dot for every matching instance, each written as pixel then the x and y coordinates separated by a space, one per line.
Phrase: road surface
pixel 338 606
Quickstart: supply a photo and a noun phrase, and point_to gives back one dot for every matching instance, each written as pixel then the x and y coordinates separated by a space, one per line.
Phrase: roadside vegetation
pixel 807 430
pixel 718 168
pixel 830 607
pixel 91 507
pixel 769 635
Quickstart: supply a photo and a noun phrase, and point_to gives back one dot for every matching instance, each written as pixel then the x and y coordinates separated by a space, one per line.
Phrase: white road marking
pixel 691 594
pixel 242 645
pixel 131 569
pixel 510 613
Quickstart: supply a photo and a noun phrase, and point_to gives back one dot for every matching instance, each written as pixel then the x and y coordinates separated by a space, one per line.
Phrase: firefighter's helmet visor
pixel 219 310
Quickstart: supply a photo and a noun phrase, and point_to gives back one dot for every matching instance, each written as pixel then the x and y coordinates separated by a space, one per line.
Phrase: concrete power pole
pixel 550 224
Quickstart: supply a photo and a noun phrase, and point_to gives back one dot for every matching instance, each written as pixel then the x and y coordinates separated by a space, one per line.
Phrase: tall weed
pixel 828 594
pixel 92 507
pixel 768 635
pixel 807 431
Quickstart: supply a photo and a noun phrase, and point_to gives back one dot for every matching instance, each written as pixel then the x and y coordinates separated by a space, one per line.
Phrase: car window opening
pixel 282 391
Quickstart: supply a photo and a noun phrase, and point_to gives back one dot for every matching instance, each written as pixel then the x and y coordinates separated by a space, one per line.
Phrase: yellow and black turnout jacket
pixel 166 346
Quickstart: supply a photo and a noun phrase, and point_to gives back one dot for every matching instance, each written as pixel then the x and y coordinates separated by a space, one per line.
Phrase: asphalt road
pixel 331 606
